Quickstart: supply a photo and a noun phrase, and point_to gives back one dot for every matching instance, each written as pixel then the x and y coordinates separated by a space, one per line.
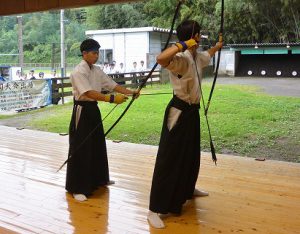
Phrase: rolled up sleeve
pixel 204 59
pixel 178 65
pixel 107 82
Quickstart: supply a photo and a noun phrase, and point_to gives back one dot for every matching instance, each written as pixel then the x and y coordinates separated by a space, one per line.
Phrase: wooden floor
pixel 246 196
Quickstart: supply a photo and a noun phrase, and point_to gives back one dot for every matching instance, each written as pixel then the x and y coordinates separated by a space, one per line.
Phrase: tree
pixel 279 20
pixel 246 21
pixel 116 16
pixel 8 39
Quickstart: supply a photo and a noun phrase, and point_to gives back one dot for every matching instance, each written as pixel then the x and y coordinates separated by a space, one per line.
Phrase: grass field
pixel 243 121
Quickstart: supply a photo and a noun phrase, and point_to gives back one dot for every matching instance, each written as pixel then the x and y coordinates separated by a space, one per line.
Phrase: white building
pixel 128 45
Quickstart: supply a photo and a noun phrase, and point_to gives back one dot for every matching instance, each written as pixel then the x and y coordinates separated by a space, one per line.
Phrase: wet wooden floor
pixel 246 196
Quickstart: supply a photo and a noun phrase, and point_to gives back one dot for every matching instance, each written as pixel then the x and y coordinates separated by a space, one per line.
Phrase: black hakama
pixel 88 165
pixel 178 160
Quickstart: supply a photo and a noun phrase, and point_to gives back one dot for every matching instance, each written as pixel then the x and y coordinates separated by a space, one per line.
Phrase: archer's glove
pixel 117 98
pixel 183 45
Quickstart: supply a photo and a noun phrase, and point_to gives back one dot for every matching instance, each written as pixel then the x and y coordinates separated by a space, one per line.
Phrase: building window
pixel 105 56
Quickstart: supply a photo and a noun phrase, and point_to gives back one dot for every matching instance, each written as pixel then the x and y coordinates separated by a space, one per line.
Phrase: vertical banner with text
pixel 25 94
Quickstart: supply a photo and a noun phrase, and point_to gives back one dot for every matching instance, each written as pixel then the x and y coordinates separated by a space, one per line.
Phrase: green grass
pixel 243 121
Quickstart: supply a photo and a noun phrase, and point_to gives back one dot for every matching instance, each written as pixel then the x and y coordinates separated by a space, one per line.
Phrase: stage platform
pixel 246 196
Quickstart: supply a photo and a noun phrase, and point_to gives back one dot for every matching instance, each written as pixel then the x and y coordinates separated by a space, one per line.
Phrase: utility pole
pixel 52 56
pixel 62 44
pixel 20 41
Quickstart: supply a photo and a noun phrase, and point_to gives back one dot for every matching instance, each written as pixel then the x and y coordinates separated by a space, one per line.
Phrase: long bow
pixel 143 83
pixel 218 61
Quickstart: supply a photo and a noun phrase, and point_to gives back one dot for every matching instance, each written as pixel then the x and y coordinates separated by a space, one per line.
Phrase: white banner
pixel 24 94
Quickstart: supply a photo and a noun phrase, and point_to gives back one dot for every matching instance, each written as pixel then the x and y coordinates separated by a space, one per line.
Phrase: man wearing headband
pixel 88 166
pixel 178 158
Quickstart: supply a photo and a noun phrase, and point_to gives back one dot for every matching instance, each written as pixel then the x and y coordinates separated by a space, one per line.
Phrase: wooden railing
pixel 61 87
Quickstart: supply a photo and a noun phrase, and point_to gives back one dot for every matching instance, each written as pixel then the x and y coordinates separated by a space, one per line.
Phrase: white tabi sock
pixel 200 193
pixel 154 220
pixel 79 197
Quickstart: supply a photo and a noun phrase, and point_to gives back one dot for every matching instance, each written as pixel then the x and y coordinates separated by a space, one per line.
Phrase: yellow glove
pixel 117 98
pixel 183 45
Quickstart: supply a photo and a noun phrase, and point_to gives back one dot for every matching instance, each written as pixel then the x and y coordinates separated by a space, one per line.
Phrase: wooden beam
pixel 40 5
pixel 12 7
pixel 79 3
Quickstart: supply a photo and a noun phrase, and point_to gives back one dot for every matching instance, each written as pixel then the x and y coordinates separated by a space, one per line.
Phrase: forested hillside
pixel 246 21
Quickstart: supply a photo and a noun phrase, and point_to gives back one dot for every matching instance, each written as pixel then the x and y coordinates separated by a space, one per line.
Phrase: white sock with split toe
pixel 200 193
pixel 154 220
pixel 79 197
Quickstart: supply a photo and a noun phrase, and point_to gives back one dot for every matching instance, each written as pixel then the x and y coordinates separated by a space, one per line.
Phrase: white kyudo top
pixel 84 78
pixel 187 87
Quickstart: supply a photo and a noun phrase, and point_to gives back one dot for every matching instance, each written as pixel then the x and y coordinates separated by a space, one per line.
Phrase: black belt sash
pixel 182 105
pixel 84 103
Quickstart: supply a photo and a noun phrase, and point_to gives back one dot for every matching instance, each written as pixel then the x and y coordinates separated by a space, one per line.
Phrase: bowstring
pixel 143 83
pixel 212 147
